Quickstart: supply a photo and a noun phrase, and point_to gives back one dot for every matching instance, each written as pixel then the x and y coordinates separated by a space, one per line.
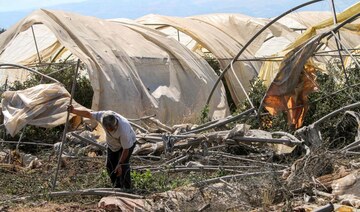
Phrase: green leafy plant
pixel 332 95
pixel 142 180
pixel 83 92
pixel 204 116
pixel 146 181
pixel 264 120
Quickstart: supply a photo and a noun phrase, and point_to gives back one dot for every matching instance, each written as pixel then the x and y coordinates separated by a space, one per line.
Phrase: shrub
pixel 332 95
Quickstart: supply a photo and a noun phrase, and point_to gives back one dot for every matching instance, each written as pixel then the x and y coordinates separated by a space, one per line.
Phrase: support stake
pixel 66 125
pixel 36 46
pixel 338 45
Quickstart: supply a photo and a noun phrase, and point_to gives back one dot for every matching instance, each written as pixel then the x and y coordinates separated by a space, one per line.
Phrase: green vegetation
pixel 332 95
pixel 148 182
pixel 265 121
pixel 204 117
pixel 83 94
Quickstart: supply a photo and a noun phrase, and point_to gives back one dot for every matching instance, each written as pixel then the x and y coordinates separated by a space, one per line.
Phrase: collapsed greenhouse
pixel 159 66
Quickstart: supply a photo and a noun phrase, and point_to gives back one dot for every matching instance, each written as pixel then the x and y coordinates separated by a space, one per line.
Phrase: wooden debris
pixel 230 177
pixel 88 141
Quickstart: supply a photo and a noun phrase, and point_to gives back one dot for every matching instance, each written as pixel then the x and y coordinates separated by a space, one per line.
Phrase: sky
pixel 12 11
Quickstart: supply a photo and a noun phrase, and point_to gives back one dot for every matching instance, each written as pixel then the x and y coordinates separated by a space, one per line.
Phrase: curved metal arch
pixel 251 40
pixel 31 70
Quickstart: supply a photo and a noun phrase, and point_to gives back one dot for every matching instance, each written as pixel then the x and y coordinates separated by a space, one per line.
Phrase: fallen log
pixel 142 118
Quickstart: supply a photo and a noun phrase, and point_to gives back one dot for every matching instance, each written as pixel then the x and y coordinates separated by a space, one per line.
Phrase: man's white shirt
pixel 123 136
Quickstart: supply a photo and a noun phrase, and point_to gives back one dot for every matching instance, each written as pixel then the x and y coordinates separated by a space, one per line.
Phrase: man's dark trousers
pixel 124 180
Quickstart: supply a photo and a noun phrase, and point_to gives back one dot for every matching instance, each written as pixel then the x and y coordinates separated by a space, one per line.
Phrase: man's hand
pixel 70 109
pixel 118 170
pixel 79 112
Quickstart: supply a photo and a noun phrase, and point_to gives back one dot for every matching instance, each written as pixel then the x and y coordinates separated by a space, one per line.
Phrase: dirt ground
pixel 167 189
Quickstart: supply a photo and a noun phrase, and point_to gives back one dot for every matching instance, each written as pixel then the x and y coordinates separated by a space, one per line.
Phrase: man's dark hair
pixel 109 121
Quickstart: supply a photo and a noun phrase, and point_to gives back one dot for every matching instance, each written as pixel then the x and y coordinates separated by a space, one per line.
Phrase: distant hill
pixel 134 9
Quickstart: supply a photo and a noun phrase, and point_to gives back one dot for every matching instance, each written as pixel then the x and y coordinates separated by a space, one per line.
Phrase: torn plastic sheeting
pixel 349 184
pixel 294 81
pixel 123 204
pixel 44 105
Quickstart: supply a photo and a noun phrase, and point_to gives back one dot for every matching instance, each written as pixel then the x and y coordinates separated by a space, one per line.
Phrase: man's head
pixel 109 121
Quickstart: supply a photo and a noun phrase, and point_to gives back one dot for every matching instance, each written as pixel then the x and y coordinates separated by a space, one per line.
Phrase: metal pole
pixel 66 125
pixel 338 46
pixel 178 34
pixel 331 55
pixel 6 82
pixel 329 51
pixel 242 88
pixel 21 136
pixel 338 39
pixel 251 40
pixel 36 46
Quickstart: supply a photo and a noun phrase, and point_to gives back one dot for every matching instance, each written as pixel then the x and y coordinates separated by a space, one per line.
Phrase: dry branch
pixel 193 169
pixel 139 127
pixel 142 118
pixel 93 192
pixel 253 161
pixel 230 177
pixel 26 143
pixel 312 134
pixel 206 167
pixel 260 140
pixel 88 141
pixel 179 160
pixel 160 125
pixel 222 122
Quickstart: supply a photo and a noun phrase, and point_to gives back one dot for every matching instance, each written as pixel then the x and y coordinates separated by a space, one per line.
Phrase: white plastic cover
pixel 44 105
pixel 133 70
pixel 224 35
